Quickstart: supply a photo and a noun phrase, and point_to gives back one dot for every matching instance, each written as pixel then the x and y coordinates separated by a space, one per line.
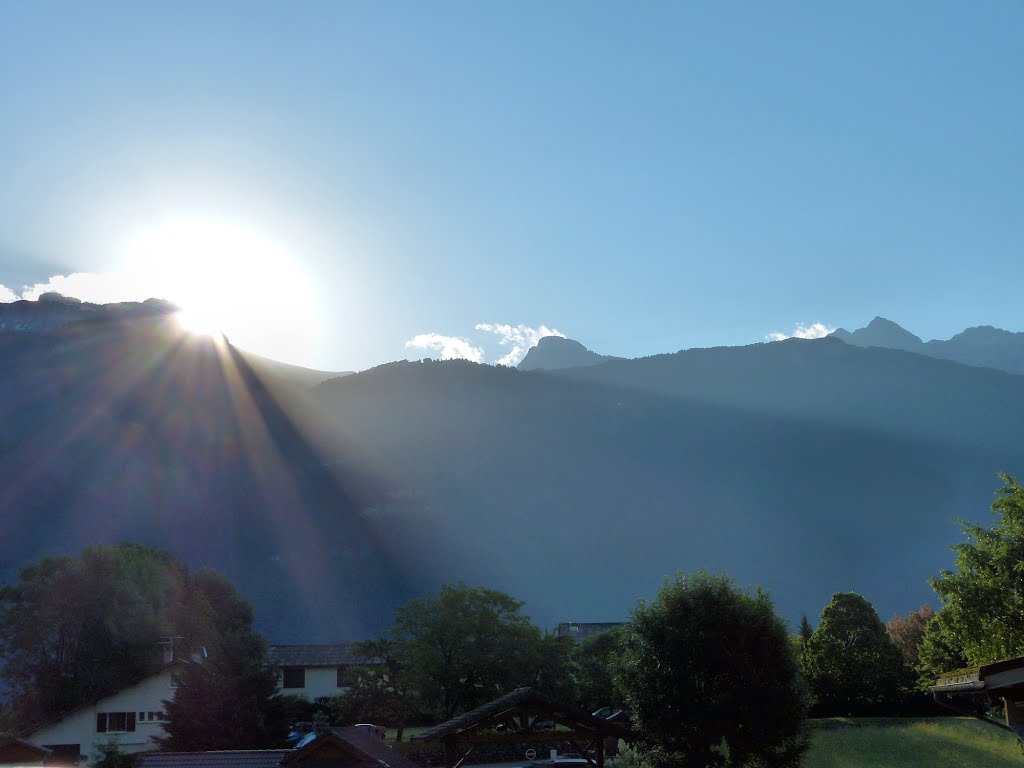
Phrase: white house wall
pixel 80 726
pixel 320 681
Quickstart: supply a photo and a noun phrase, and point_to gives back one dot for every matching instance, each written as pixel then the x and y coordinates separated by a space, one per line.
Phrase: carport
pixel 968 691
pixel 525 715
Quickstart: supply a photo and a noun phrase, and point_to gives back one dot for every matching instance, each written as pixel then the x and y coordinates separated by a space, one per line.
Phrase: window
pixel 293 677
pixel 115 722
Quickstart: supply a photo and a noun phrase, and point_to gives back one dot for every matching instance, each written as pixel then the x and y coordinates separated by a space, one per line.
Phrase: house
pixel 329 748
pixel 312 671
pixel 130 718
pixel 580 632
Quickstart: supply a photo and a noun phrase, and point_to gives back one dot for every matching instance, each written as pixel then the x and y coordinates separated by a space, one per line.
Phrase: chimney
pixel 167 649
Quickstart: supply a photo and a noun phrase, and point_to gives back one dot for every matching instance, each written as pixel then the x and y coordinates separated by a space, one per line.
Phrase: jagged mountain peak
pixel 980 345
pixel 881 332
pixel 557 352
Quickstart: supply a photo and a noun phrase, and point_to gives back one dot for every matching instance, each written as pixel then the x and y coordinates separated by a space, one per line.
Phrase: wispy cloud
pixel 801 331
pixel 517 338
pixel 450 347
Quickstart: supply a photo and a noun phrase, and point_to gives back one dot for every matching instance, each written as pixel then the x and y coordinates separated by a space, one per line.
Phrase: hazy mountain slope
pixel 285 372
pixel 808 467
pixel 130 429
pixel 554 352
pixel 982 345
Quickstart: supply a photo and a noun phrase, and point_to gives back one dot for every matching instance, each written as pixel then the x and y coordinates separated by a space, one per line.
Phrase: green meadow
pixel 943 742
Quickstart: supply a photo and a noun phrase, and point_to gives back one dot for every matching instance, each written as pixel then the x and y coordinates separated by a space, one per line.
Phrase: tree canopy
pixel 907 632
pixel 230 700
pixel 595 659
pixel 709 673
pixel 469 645
pixel 74 629
pixel 982 614
pixel 851 664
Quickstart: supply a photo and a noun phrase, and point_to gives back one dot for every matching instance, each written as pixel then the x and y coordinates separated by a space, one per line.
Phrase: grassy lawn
pixel 947 742
pixel 938 742
pixel 407 734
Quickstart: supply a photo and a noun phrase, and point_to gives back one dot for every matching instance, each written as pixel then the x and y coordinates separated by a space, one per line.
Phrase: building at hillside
pixel 581 631
pixel 312 671
pixel 129 718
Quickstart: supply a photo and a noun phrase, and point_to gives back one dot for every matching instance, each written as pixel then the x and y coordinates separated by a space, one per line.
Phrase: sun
pixel 199 324
pixel 229 277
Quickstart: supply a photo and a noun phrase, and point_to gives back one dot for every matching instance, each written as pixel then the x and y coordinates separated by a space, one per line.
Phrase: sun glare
pixel 228 277
pixel 198 324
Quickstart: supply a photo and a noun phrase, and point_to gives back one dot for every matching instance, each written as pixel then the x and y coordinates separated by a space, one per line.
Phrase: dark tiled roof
pixel 234 758
pixel 518 698
pixel 375 751
pixel 315 655
pixel 375 748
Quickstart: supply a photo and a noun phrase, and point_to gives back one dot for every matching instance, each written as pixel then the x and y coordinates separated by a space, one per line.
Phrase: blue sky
pixel 643 177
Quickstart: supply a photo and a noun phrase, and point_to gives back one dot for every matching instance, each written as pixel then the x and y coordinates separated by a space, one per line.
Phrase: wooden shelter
pixel 525 715
pixel 1004 680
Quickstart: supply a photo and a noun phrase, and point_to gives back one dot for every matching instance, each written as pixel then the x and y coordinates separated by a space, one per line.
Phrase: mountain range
pixel 805 466
pixel 981 345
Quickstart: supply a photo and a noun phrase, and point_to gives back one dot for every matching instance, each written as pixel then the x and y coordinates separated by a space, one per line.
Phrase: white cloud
pixel 518 339
pixel 450 347
pixel 812 331
pixel 7 295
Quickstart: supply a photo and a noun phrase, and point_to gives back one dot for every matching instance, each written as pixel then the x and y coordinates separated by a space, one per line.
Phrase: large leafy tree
pixel 468 645
pixel 73 629
pixel 76 628
pixel 851 664
pixel 230 699
pixel 595 660
pixel 709 673
pixel 938 652
pixel 907 632
pixel 982 614
pixel 376 691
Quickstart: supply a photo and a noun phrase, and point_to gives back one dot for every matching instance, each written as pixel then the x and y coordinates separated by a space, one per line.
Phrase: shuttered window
pixel 293 677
